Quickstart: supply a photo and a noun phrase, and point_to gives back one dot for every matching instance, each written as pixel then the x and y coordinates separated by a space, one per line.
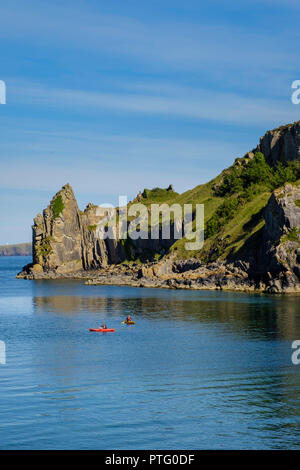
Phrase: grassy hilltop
pixel 233 202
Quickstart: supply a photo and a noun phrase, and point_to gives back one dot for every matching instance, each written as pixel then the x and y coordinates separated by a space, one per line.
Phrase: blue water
pixel 199 370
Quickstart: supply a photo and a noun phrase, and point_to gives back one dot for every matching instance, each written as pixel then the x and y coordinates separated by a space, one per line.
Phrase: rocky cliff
pixel 281 144
pixel 57 235
pixel 270 262
pixel 277 262
pixel 65 240
pixel 65 244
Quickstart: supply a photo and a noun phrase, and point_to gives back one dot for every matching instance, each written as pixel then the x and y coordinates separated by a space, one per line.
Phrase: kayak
pixel 102 330
pixel 129 322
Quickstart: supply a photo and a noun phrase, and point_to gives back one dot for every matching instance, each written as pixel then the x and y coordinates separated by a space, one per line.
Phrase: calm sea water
pixel 199 370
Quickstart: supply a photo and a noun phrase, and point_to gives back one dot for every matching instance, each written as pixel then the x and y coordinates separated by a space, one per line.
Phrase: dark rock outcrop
pixel 278 257
pixel 281 144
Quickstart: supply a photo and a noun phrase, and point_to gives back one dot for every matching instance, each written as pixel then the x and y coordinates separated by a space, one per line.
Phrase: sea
pixel 198 370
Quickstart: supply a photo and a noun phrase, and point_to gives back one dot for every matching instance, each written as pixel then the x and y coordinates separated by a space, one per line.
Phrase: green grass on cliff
pixel 57 206
pixel 44 249
pixel 157 196
pixel 234 204
pixel 293 235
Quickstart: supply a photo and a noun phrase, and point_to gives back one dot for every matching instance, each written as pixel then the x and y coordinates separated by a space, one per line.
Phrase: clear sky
pixel 114 96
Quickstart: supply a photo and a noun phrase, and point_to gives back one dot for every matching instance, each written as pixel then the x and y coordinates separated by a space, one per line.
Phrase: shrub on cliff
pixel 259 173
pixel 284 173
pixel 224 213
pixel 57 206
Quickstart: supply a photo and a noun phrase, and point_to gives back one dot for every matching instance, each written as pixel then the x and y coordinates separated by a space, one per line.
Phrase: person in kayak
pixel 128 318
pixel 104 327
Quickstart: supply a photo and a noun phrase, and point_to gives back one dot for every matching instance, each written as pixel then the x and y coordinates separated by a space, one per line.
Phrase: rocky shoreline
pixel 169 274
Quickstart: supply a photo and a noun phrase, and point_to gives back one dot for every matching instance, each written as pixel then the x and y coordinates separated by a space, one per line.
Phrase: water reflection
pixel 260 316
pixel 226 355
pixel 198 370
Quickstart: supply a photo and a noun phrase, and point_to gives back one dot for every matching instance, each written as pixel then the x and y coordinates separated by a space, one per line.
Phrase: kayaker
pixel 129 318
pixel 104 327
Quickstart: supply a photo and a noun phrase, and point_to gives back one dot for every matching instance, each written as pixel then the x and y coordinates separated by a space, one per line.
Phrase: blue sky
pixel 116 96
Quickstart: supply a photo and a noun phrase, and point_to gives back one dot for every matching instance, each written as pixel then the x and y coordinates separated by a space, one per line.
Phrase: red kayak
pixel 102 330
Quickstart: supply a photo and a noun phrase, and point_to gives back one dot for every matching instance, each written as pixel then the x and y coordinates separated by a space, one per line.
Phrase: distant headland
pixel 20 249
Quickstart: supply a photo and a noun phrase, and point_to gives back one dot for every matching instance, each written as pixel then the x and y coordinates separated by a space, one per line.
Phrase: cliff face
pixel 282 212
pixel 281 144
pixel 65 240
pixel 57 235
pixel 271 265
pixel 97 252
pixel 278 258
